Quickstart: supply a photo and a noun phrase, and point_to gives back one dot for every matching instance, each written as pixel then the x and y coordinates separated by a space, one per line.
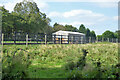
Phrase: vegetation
pixel 97 60
pixel 109 34
pixel 27 17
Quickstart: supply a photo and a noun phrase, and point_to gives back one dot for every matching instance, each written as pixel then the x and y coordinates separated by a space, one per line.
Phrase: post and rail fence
pixel 19 38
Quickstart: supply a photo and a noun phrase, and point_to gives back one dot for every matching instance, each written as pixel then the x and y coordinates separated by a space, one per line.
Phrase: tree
pixel 82 29
pixel 70 28
pixel 99 37
pixel 87 32
pixel 117 34
pixel 108 34
pixel 34 21
pixel 7 21
pixel 92 34
pixel 58 27
pixel 55 24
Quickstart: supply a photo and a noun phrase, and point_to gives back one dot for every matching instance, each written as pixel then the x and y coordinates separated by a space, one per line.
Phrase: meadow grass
pixel 48 61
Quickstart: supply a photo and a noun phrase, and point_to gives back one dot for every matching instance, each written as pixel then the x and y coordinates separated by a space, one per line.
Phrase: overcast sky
pixel 98 16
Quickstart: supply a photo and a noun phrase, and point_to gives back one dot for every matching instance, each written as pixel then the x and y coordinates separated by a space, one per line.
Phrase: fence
pixel 40 38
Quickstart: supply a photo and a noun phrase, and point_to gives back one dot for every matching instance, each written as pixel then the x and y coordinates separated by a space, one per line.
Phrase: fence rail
pixel 40 38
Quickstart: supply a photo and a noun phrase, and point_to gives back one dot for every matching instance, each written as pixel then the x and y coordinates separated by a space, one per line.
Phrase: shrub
pixel 14 67
pixel 69 66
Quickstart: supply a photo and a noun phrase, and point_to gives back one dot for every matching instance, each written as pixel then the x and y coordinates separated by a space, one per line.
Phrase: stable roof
pixel 67 33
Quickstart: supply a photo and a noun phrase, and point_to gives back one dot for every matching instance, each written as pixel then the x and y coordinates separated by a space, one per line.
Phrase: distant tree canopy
pixel 99 37
pixel 92 34
pixel 27 17
pixel 87 31
pixel 57 27
pixel 71 28
pixel 82 29
pixel 34 20
pixel 109 34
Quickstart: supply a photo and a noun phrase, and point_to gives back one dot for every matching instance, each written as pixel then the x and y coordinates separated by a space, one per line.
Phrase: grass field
pixel 97 60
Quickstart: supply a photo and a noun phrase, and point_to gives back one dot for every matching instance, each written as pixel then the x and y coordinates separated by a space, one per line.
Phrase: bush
pixel 14 67
pixel 69 66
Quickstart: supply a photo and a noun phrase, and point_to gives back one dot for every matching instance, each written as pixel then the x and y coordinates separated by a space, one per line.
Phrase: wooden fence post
pixel 45 38
pixel 89 39
pixel 2 39
pixel 2 45
pixel 112 39
pixel 108 39
pixel 102 39
pixel 15 38
pixel 61 40
pixel 37 39
pixel 72 39
pixel 26 40
pixel 2 36
pixel 97 39
pixel 54 39
pixel 68 39
pixel 81 39
pixel 116 40
pixel 85 40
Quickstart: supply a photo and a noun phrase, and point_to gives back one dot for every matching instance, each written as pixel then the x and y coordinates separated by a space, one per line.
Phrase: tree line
pixel 27 17
pixel 109 34
pixel 81 29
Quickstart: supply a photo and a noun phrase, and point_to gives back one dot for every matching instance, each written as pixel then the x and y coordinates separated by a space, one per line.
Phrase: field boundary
pixel 19 38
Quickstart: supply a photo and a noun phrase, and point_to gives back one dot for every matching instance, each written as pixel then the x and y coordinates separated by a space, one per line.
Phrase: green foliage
pixel 82 29
pixel 99 37
pixel 58 27
pixel 34 20
pixel 108 34
pixel 14 66
pixel 7 20
pixel 69 66
pixel 61 61
pixel 26 17
pixel 92 34
pixel 71 28
pixel 87 32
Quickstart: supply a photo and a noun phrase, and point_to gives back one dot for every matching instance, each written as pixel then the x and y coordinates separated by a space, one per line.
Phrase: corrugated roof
pixel 67 32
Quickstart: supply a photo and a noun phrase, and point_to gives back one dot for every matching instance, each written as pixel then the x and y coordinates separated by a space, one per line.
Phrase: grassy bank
pixel 61 61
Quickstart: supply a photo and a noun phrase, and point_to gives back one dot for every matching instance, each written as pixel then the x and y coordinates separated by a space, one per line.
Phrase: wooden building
pixel 68 37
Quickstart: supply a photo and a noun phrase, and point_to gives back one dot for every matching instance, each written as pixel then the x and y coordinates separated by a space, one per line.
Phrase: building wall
pixel 76 38
pixel 72 38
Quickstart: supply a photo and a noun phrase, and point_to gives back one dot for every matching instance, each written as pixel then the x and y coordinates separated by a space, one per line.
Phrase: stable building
pixel 68 37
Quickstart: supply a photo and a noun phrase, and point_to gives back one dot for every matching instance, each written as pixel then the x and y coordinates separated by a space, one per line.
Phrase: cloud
pixel 81 13
pixel 77 17
pixel 81 0
pixel 76 23
pixel 10 5
pixel 107 4
pixel 116 18
pixel 54 14
pixel 43 6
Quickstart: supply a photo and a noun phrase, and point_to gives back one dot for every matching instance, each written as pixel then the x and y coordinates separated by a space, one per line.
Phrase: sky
pixel 94 14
